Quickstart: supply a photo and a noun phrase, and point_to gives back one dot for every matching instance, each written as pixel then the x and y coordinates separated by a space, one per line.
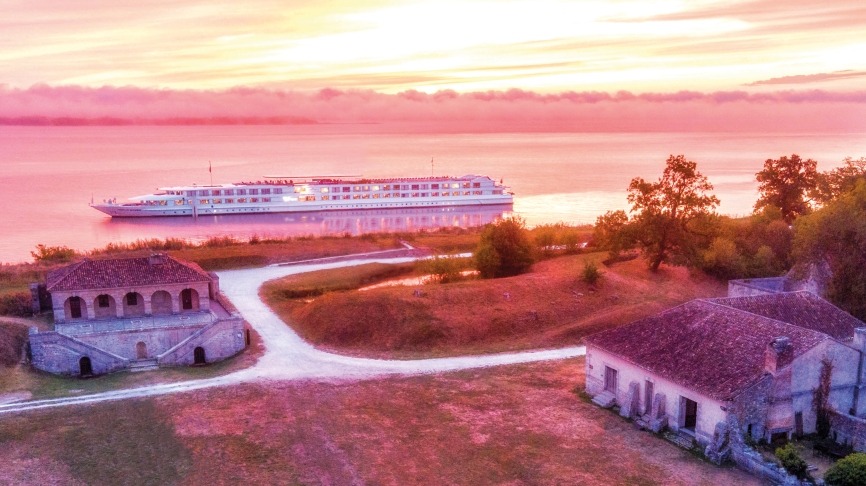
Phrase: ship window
pixel 190 193
pixel 242 192
pixel 346 197
pixel 387 194
pixel 242 199
pixel 415 187
pixel 347 189
pixel 278 190
pixel 217 201
pixel 425 186
pixel 204 201
pixel 365 196
pixel 202 193
pixel 404 194
pixel 386 187
pixel 266 199
pixel 266 191
pixel 477 193
pixel 375 196
pixel 215 192
pixel 326 198
pixel 405 187
pixel 254 199
pixel 465 185
pixel 434 194
pixel 324 189
pixel 446 193
pixel 254 191
pixel 375 188
pixel 476 184
pixel 455 186
pixel 466 193
pixel 230 201
pixel 497 191
pixel 425 194
pixel 179 202
pixel 434 186
pixel 415 194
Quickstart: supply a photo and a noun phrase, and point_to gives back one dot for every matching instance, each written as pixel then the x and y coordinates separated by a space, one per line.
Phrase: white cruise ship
pixel 302 194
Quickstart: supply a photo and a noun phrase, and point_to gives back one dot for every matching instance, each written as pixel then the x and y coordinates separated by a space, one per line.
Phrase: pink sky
pixel 791 65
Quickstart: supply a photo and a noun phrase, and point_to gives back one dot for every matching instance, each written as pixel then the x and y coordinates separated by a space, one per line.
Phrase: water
pixel 48 175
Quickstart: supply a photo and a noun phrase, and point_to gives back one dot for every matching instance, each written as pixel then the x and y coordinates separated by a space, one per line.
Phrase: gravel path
pixel 288 357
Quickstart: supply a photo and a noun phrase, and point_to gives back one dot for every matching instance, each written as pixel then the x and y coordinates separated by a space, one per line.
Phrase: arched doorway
pixel 75 308
pixel 133 305
pixel 198 356
pixel 161 303
pixel 85 367
pixel 189 299
pixel 141 350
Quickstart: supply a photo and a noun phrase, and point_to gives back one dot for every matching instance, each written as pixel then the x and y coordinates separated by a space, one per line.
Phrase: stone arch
pixel 198 355
pixel 160 303
pixel 85 366
pixel 133 305
pixel 104 306
pixel 75 307
pixel 189 300
pixel 141 350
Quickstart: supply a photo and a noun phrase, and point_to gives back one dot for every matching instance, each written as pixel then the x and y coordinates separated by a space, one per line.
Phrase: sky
pixel 120 57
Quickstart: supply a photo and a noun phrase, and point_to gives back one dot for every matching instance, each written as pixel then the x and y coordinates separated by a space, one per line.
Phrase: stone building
pixel 749 365
pixel 134 313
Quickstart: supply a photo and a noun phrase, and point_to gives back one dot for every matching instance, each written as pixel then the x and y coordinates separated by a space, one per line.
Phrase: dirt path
pixel 288 357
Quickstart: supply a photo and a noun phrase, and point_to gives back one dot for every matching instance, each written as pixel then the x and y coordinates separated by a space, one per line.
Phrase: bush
pixel 848 471
pixel 53 254
pixel 791 461
pixel 16 304
pixel 505 249
pixel 443 269
pixel 591 274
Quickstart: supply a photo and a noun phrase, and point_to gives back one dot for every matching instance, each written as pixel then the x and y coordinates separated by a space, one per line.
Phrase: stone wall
pixel 56 353
pixel 755 286
pixel 220 340
pixel 848 430
pixel 126 343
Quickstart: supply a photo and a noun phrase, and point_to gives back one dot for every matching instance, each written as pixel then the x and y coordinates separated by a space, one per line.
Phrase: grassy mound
pixel 550 306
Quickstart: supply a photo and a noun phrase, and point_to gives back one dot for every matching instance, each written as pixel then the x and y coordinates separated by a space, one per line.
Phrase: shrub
pixel 791 461
pixel 443 269
pixel 16 304
pixel 53 254
pixel 591 274
pixel 505 249
pixel 848 471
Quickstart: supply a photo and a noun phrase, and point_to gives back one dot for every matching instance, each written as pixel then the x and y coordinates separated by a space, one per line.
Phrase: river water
pixel 48 175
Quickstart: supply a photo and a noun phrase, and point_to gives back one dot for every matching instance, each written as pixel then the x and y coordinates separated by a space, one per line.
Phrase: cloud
pixel 811 78
pixel 447 110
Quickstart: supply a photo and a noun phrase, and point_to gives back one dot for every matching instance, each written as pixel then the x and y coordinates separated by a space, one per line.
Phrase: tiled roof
pixel 124 273
pixel 802 309
pixel 713 349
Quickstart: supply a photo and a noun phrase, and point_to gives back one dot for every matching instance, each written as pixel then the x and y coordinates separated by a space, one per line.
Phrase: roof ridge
pixel 787 324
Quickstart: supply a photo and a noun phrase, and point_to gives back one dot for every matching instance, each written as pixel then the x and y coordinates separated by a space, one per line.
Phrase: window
pixel 254 191
pixel 242 192
pixel 347 189
pixel 278 190
pixel 229 192
pixel 476 185
pixel 75 307
pixel 415 187
pixel 648 397
pixel 266 191
pixel 325 189
pixel 434 186
pixel 103 301
pixel 215 192
pixel 131 299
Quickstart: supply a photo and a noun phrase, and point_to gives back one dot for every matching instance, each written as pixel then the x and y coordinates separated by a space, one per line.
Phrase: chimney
pixel 157 259
pixel 779 353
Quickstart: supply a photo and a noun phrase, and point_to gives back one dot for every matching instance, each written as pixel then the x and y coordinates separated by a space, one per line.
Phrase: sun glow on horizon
pixel 392 46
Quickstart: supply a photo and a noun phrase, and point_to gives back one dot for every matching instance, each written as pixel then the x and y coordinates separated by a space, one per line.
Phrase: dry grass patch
pixel 516 425
pixel 548 307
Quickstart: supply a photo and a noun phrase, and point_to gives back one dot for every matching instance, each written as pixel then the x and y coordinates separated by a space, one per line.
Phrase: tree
pixel 53 254
pixel 505 249
pixel 835 235
pixel 848 471
pixel 832 184
pixel 791 461
pixel 670 212
pixel 611 232
pixel 787 183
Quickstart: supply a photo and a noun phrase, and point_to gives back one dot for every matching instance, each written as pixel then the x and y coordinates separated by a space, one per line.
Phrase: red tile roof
pixel 705 346
pixel 124 273
pixel 802 309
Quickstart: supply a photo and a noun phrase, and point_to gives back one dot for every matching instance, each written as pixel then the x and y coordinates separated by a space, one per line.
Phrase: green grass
pixel 338 279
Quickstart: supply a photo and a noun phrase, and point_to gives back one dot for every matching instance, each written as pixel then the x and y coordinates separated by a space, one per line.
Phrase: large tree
pixel 787 183
pixel 836 235
pixel 668 214
pixel 840 180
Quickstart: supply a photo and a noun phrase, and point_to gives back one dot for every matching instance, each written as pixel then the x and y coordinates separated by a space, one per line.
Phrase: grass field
pixel 548 307
pixel 515 425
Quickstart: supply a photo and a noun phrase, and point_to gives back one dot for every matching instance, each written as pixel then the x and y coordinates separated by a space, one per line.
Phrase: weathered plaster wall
pixel 89 304
pixel 710 411
pixel 56 353
pixel 221 340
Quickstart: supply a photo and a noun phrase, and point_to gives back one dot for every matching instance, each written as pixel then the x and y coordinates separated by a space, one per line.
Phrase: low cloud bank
pixel 517 110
